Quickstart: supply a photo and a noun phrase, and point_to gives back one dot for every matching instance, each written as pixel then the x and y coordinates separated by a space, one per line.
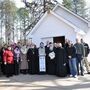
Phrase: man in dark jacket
pixel 87 50
pixel 71 53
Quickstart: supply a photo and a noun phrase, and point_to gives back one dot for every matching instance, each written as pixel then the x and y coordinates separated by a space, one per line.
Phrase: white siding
pixel 44 40
pixel 71 18
pixel 87 37
pixel 52 27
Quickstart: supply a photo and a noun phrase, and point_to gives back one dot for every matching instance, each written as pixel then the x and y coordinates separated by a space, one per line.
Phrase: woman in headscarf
pixel 24 63
pixel 17 59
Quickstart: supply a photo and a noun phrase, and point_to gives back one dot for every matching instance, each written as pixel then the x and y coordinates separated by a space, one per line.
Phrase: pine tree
pixel 67 4
pixel 77 6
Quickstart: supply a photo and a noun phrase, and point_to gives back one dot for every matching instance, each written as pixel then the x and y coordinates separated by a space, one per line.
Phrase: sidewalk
pixel 44 82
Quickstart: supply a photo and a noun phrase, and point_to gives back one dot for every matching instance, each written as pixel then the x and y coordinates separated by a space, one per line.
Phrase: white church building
pixel 58 25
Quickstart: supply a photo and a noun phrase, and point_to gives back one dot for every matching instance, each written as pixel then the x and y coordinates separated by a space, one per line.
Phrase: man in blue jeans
pixel 80 54
pixel 71 53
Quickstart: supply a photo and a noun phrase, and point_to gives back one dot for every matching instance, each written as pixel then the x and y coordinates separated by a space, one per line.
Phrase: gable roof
pixel 60 18
pixel 76 15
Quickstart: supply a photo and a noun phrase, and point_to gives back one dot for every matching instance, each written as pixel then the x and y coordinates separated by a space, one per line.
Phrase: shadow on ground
pixel 44 82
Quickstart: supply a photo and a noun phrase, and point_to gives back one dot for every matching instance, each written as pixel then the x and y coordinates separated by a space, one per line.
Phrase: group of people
pixel 52 59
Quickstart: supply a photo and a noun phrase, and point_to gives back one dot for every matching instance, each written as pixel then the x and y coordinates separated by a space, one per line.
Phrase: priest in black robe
pixel 61 69
pixel 51 60
pixel 46 51
pixel 32 57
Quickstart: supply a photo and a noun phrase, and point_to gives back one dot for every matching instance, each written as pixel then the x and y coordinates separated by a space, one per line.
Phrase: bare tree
pixel 37 8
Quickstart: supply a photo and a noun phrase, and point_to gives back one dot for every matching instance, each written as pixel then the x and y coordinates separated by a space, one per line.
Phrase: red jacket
pixel 8 57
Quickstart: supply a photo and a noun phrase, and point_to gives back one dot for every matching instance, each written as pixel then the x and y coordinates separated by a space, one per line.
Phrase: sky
pixel 21 4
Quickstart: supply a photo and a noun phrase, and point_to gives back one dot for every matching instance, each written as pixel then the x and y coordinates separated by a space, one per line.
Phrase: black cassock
pixel 50 63
pixel 0 64
pixel 32 57
pixel 61 70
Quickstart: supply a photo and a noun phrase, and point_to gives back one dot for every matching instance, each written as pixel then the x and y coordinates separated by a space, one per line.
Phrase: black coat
pixel 87 50
pixel 0 64
pixel 61 62
pixel 71 51
pixel 51 63
pixel 32 57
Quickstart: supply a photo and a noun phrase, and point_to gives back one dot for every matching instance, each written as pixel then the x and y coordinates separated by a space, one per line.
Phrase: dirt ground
pixel 44 82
